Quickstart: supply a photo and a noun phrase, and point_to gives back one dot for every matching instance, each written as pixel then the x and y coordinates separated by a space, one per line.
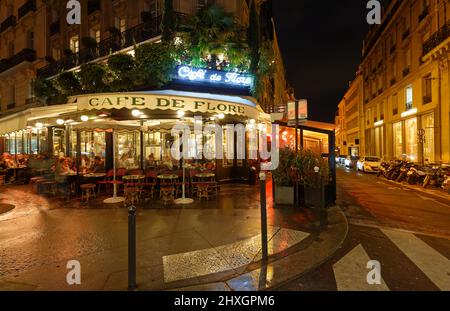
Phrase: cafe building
pixel 135 129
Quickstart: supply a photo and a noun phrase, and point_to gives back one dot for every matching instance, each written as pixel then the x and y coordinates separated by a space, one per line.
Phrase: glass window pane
pixel 411 139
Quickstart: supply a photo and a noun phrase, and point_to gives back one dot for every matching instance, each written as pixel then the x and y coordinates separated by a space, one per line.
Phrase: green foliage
pixel 121 67
pixel 154 64
pixel 91 77
pixel 305 162
pixel 265 69
pixel 68 84
pixel 283 175
pixel 44 89
pixel 214 32
pixel 254 38
pixel 299 167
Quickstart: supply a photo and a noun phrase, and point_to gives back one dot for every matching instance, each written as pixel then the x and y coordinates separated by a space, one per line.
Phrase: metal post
pixel 262 178
pixel 296 126
pixel 132 248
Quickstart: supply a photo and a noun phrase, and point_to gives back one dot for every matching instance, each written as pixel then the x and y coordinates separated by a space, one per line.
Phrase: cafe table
pixel 205 176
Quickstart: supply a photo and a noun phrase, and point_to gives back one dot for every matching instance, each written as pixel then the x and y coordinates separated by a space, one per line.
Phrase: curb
pixel 288 268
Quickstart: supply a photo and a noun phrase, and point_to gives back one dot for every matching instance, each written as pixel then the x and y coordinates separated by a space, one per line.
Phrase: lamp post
pixel 264 251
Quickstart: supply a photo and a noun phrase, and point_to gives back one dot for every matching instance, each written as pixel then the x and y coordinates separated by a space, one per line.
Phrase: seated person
pixel 98 166
pixel 150 161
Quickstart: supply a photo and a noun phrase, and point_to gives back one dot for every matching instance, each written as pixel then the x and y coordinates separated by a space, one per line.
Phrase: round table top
pixel 131 177
pixel 167 176
pixel 18 167
pixel 94 175
pixel 68 174
pixel 205 175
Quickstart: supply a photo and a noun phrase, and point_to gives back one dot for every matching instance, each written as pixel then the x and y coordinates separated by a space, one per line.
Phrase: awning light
pixel 60 122
pixel 39 125
pixel 379 123
pixel 180 113
pixel 136 113
pixel 84 118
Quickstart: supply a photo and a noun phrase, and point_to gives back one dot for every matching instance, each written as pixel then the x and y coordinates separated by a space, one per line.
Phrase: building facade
pixel 36 40
pixel 405 83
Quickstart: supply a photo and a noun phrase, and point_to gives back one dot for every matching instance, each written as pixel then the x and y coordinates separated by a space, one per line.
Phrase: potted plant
pixel 284 178
pixel 313 174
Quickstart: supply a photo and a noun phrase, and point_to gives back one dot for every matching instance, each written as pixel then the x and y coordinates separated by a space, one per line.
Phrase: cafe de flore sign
pixel 166 102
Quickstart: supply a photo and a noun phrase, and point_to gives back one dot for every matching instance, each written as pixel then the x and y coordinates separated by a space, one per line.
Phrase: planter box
pixel 284 195
pixel 313 197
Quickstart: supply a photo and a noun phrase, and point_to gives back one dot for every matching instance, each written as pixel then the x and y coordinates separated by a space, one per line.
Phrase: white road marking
pixel 435 266
pixel 431 199
pixel 351 272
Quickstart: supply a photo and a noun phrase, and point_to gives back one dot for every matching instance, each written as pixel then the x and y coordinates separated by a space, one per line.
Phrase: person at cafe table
pixel 97 166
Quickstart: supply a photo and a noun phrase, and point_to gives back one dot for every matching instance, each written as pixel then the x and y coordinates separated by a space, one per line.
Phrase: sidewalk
pixel 214 245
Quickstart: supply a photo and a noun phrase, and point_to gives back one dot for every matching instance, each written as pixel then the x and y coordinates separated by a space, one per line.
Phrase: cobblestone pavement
pixel 41 234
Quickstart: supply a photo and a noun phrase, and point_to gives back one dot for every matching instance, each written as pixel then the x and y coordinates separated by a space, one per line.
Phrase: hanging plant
pixel 154 64
pixel 121 67
pixel 68 84
pixel 91 77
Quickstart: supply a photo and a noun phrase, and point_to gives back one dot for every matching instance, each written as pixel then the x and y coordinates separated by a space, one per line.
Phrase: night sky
pixel 321 43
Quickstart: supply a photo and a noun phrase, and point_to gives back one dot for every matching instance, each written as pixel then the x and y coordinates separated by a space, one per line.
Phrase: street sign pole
pixel 265 255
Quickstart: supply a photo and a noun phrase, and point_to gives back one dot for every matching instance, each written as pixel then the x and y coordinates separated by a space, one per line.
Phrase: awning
pixel 18 121
pixel 173 100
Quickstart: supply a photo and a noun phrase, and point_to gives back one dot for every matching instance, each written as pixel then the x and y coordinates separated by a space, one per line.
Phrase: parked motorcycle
pixel 403 172
pixel 446 183
pixel 416 175
pixel 435 177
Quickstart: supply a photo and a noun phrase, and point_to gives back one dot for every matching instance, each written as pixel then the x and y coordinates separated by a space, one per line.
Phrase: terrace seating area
pixel 56 178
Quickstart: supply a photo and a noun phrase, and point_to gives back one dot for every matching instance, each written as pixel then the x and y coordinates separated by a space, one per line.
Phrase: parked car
pixel 341 159
pixel 368 164
pixel 351 161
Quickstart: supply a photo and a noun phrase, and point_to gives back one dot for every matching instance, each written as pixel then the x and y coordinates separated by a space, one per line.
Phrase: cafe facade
pixel 132 128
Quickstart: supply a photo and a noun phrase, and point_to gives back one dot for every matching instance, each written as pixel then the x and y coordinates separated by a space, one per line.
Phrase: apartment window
pixel 75 44
pixel 96 34
pixel 393 41
pixel 30 39
pixel 56 54
pixel 394 69
pixel 409 97
pixel 54 16
pixel 154 7
pixel 427 97
pixel 121 24
pixel 394 104
pixel 408 58
pixel 382 111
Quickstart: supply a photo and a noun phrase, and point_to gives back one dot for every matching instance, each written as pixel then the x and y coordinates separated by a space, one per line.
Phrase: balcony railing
pixel 11 106
pixel 405 34
pixel 31 100
pixel 436 39
pixel 129 37
pixel 8 22
pixel 405 72
pixel 54 28
pixel 29 6
pixel 395 111
pixel 93 6
pixel 424 14
pixel 392 50
pixel 26 55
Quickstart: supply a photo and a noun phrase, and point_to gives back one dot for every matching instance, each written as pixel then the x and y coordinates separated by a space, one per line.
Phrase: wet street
pixel 406 231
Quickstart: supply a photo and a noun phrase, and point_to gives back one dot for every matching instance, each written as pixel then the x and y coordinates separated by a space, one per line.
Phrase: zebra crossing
pixel 350 270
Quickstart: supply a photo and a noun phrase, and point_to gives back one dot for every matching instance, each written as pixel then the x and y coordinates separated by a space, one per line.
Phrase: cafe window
pixel 411 139
pixel 128 149
pixel 59 141
pixel 42 137
pixel 398 140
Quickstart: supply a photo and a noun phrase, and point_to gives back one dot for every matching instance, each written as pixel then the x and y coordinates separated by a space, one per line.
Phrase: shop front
pixel 136 129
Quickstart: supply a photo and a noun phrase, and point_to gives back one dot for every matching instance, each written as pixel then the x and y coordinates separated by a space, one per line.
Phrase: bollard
pixel 262 178
pixel 132 248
